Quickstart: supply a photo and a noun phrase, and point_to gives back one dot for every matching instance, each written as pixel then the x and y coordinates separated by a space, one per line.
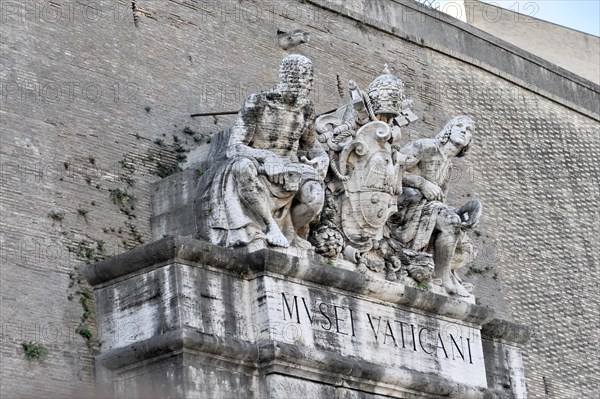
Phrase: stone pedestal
pixel 182 318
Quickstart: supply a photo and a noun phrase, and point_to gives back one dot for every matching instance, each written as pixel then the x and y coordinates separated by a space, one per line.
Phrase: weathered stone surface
pixel 413 21
pixel 424 222
pixel 264 185
pixel 199 305
pixel 538 235
pixel 502 342
pixel 365 173
pixel 288 40
pixel 172 204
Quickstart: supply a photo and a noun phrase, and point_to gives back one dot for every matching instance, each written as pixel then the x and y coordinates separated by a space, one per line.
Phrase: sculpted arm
pixel 243 130
pixel 411 177
pixel 415 153
pixel 315 154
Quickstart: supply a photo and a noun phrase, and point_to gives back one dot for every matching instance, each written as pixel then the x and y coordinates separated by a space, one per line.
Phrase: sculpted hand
pixel 275 170
pixel 320 164
pixel 432 191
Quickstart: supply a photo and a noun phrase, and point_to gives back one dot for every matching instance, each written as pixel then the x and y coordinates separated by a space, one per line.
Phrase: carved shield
pixel 371 178
pixel 374 209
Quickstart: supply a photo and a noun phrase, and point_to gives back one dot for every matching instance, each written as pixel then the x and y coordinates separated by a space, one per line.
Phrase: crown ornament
pixel 386 93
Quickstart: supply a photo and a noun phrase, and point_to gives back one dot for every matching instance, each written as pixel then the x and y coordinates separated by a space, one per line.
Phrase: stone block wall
pixel 94 109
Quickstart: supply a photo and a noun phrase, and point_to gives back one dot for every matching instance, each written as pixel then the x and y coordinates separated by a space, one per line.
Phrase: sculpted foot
pixel 467 286
pixel 453 287
pixel 449 285
pixel 276 238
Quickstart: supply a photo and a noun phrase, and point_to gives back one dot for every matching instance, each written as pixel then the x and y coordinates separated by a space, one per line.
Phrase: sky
pixel 582 15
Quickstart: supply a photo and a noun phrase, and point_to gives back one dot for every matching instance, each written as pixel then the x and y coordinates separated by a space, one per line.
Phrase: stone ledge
pixel 507 331
pixel 270 357
pixel 249 266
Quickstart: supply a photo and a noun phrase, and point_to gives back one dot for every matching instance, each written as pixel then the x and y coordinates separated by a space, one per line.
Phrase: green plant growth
pixel 166 169
pixel 423 285
pixel 127 165
pixel 474 270
pixel 148 108
pixel 84 300
pixel 85 332
pixel 83 213
pixel 179 148
pixel 56 216
pixel 100 247
pixel 34 350
pixel 202 138
pixel 134 233
pixel 124 200
pixel 189 130
pixel 85 250
pixel 127 180
pixel 180 152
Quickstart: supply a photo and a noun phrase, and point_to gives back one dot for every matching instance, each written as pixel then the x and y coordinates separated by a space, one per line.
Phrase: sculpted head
pixel 387 94
pixel 459 130
pixel 296 74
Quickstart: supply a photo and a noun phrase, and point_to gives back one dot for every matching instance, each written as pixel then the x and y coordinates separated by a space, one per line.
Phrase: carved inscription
pixel 382 330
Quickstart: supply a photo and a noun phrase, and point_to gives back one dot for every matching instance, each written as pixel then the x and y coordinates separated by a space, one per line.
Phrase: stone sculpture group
pixel 340 184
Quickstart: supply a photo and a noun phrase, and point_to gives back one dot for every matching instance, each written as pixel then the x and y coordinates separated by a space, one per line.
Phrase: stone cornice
pixel 249 266
pixel 507 331
pixel 429 28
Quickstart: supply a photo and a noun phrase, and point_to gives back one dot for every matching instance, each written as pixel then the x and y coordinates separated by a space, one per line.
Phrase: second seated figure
pixel 424 221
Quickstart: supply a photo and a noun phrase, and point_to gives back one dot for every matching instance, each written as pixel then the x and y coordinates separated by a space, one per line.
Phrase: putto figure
pixel 265 184
pixel 425 223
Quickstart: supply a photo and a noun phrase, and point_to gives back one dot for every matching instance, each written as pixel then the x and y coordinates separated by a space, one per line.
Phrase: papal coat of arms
pixel 365 174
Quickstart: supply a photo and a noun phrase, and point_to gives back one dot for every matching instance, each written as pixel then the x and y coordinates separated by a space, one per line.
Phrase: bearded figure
pixel 265 185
